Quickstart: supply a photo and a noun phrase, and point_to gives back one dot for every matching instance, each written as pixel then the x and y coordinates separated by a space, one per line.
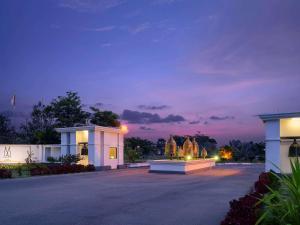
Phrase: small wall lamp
pixel 294 150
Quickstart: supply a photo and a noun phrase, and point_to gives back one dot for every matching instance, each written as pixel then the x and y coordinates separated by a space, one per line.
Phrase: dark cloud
pixel 205 123
pixel 153 107
pixel 147 118
pixel 146 128
pixel 194 122
pixel 222 117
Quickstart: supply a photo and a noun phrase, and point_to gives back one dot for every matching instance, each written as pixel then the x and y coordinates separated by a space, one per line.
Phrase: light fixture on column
pixel 294 150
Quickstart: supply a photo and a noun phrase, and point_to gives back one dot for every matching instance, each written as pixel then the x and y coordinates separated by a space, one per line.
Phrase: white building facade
pixel 18 153
pixel 100 146
pixel 96 145
pixel 281 130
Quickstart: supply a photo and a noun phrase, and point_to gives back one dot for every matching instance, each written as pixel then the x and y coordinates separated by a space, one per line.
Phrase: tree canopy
pixel 7 132
pixel 63 111
pixel 104 118
pixel 67 110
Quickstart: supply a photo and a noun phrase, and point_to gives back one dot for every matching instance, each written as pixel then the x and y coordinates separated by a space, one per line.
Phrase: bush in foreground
pixel 5 173
pixel 281 206
pixel 244 211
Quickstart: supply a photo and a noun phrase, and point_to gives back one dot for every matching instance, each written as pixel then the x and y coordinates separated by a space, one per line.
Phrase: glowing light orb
pixel 124 129
pixel 216 157
pixel 188 157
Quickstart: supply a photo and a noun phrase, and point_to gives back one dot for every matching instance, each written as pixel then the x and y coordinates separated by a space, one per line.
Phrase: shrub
pixel 244 211
pixel 69 159
pixel 51 159
pixel 282 205
pixel 131 155
pixel 90 168
pixel 4 173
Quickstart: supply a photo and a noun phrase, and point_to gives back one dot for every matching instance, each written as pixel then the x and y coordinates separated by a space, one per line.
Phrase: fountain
pixel 182 160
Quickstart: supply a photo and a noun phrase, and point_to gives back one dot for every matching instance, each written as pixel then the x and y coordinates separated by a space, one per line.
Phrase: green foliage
pixel 70 159
pixel 282 205
pixel 247 151
pixel 160 145
pixel 67 110
pixel 143 147
pixel 51 159
pixel 104 118
pixel 40 128
pixel 7 133
pixel 131 155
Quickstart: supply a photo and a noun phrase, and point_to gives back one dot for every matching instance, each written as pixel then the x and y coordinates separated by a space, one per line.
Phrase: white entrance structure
pixel 97 145
pixel 281 130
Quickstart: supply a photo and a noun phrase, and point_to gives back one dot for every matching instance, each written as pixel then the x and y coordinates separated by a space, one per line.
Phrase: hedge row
pixel 43 169
pixel 61 169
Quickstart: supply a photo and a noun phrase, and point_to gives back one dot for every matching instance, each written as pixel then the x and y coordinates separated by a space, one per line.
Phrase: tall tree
pixel 7 133
pixel 104 118
pixel 142 146
pixel 160 145
pixel 67 110
pixel 40 128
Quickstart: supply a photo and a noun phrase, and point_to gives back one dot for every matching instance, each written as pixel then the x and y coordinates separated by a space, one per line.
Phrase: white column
pixel 73 143
pixel 272 129
pixel 120 149
pixel 102 156
pixel 63 143
pixel 94 147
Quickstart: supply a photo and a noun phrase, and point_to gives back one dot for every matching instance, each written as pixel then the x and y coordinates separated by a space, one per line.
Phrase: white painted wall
pixel 111 140
pixel 272 129
pixel 18 153
pixel 289 127
pixel 276 149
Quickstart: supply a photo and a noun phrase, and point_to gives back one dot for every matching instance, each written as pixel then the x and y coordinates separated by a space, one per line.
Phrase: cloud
pixel 90 5
pixel 146 128
pixel 153 107
pixel 105 45
pixel 222 117
pixel 194 122
pixel 161 2
pixel 101 29
pixel 137 117
pixel 139 28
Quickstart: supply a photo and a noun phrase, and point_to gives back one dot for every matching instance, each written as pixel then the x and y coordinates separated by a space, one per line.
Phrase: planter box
pixel 180 166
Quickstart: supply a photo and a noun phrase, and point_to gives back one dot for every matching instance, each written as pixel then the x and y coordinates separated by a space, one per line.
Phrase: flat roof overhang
pixel 89 128
pixel 277 116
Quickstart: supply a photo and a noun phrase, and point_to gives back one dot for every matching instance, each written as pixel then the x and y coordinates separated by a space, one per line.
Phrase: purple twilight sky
pixel 166 66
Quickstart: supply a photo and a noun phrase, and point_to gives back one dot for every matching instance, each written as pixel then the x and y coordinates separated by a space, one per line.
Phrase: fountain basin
pixel 180 166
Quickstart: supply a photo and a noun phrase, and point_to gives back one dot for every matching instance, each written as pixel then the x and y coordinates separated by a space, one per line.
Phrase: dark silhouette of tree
pixel 142 146
pixel 40 128
pixel 7 132
pixel 104 118
pixel 67 110
pixel 160 145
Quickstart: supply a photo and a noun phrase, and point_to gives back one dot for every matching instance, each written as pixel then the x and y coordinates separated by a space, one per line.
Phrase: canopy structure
pixel 282 133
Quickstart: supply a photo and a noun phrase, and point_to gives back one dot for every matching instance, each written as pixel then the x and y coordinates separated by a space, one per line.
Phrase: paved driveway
pixel 125 197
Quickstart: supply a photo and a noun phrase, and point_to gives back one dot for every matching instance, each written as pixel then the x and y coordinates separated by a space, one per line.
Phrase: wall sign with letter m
pixel 7 152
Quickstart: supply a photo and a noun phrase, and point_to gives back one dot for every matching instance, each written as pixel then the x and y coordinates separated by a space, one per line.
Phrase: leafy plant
pixel 70 159
pixel 282 205
pixel 51 159
pixel 29 157
pixel 131 155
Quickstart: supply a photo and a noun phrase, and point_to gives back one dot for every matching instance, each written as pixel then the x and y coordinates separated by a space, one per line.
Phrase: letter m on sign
pixel 7 152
